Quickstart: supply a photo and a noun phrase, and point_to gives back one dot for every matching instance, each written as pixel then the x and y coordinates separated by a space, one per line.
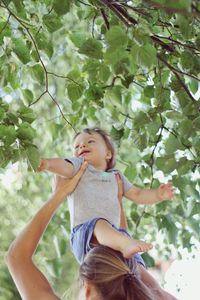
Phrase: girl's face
pixel 93 148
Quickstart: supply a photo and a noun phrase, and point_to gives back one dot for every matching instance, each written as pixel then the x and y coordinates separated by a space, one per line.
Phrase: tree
pixel 131 67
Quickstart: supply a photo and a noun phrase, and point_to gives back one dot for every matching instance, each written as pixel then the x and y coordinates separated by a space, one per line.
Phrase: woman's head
pixel 96 139
pixel 111 276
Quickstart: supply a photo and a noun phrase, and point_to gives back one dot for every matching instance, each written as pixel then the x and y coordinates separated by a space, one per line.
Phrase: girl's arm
pixel 58 166
pixel 150 196
pixel 31 283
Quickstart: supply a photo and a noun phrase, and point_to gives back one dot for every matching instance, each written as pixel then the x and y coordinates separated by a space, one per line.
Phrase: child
pixel 94 207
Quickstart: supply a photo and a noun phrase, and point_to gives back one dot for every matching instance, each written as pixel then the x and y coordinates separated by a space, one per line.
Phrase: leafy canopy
pixel 130 67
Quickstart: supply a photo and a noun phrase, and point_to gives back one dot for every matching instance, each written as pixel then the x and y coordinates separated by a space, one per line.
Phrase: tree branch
pixel 177 42
pixel 177 76
pixel 167 47
pixel 105 18
pixel 115 11
pixel 171 10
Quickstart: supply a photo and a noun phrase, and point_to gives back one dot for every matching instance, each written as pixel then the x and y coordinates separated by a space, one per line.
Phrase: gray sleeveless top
pixel 96 195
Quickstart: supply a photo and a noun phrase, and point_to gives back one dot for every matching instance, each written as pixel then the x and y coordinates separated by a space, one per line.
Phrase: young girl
pixel 94 206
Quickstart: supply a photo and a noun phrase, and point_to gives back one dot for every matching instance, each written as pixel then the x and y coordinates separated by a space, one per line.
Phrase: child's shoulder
pixel 75 161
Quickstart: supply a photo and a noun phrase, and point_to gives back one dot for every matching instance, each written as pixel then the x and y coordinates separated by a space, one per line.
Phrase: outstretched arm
pixel 30 282
pixel 57 166
pixel 150 196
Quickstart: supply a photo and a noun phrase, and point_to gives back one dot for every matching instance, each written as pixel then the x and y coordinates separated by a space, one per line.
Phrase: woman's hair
pixel 107 140
pixel 113 276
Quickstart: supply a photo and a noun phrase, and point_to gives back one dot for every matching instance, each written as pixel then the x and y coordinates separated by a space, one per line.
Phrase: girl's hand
pixel 165 192
pixel 43 165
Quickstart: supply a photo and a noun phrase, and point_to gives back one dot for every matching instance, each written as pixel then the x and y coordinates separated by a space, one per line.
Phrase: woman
pixel 104 274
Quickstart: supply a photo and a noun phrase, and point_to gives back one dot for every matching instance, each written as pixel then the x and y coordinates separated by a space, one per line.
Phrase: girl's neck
pixel 100 167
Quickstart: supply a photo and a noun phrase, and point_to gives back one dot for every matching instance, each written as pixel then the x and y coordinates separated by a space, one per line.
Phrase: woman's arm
pixel 31 283
pixel 123 220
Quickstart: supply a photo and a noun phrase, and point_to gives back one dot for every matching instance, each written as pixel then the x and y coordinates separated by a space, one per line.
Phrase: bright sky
pixel 182 278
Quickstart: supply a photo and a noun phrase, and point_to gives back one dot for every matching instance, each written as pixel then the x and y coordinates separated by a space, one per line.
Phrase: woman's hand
pixel 123 220
pixel 65 186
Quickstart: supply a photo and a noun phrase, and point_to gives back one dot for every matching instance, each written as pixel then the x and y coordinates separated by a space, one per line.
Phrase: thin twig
pixel 38 98
pixel 5 24
pixel 64 77
pixel 105 18
pixel 53 99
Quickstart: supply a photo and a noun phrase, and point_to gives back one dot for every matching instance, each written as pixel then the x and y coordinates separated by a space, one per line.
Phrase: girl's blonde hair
pixel 111 163
pixel 114 277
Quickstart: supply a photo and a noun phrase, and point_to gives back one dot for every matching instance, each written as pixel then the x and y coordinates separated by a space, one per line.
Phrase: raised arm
pixel 150 196
pixel 123 219
pixel 31 283
pixel 57 166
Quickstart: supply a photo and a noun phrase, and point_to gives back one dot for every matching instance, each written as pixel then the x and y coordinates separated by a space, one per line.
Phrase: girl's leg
pixel 106 235
pixel 148 279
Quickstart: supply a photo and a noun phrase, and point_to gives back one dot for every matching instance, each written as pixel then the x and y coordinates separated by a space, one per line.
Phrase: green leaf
pixel 104 73
pixel 11 119
pixel 114 35
pixel 7 134
pixel 148 259
pixel 26 114
pixel 74 91
pixel 61 7
pixel 166 164
pixel 130 173
pixel 92 48
pixel 173 144
pixel 26 132
pixel 172 230
pixel 21 50
pixel 33 156
pixel 27 96
pixel 145 55
pixel 175 85
pixel 186 60
pixel 38 73
pixel 78 38
pixel 116 134
pixel 195 225
pixel 180 4
pixel 44 43
pixel 185 128
pixel 52 22
pixel 149 91
pixel 196 123
pixel 184 166
pixel 194 86
pixel 2 113
pixel 94 92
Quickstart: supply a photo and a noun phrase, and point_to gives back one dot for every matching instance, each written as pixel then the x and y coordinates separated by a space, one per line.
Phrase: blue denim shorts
pixel 80 240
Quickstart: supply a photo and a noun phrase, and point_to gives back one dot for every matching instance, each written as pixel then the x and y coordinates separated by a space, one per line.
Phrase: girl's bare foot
pixel 134 246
